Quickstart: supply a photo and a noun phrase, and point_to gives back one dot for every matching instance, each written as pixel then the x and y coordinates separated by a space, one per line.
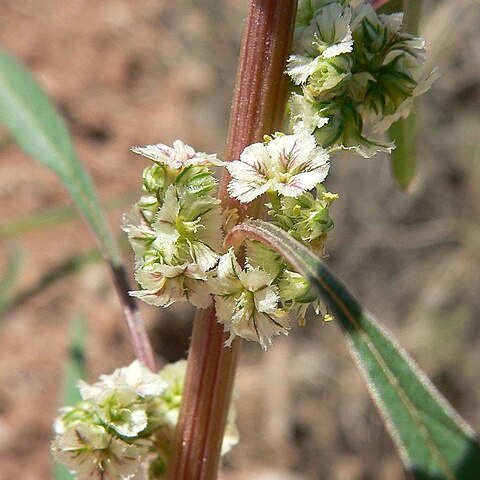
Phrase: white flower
pixel 424 82
pixel 166 408
pixel 82 412
pixel 288 164
pixel 178 157
pixel 306 10
pixel 304 116
pixel 135 376
pixel 140 233
pixel 323 78
pixel 91 452
pixel 192 222
pixel 328 35
pixel 300 67
pixel 264 258
pixel 247 302
pixel 173 374
pixel 166 284
pixel 121 410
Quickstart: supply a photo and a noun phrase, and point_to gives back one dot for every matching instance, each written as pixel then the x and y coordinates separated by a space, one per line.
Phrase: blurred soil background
pixel 132 73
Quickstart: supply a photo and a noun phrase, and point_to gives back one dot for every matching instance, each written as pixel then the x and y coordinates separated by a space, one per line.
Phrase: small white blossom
pixel 306 10
pixel 164 285
pixel 173 374
pixel 120 409
pixel 191 220
pixel 247 302
pixel 92 453
pixel 177 157
pixel 327 36
pixel 140 234
pixel 304 116
pixel 135 376
pixel 167 408
pixel 260 256
pixel 82 412
pixel 288 164
pixel 423 84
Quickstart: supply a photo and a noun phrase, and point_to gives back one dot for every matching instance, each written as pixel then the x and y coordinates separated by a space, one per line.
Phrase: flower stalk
pixel 258 109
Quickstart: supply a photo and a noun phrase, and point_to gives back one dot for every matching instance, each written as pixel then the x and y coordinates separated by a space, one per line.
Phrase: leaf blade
pixel 433 441
pixel 404 131
pixel 38 129
pixel 403 160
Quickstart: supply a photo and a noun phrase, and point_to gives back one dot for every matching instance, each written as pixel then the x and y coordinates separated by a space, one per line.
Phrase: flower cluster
pixel 123 426
pixel 175 228
pixel 352 69
pixel 259 301
pixel 355 70
pixel 176 231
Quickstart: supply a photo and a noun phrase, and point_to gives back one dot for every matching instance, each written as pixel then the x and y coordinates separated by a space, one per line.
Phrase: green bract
pixel 306 217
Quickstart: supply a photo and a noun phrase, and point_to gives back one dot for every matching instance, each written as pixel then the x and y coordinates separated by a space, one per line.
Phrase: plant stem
pixel 379 3
pixel 138 333
pixel 258 108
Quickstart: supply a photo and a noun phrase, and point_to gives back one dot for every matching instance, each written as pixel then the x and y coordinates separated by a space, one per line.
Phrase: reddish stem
pixel 261 89
pixel 376 4
pixel 138 334
pixel 258 108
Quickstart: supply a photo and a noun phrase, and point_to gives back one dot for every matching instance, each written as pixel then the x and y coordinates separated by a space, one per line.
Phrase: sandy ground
pixel 125 73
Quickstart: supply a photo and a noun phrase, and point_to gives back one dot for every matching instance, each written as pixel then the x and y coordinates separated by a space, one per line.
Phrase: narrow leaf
pixel 404 131
pixel 41 133
pixel 404 156
pixel 74 370
pixel 433 441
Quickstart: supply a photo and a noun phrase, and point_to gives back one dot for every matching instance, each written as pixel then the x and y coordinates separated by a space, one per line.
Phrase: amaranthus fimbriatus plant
pixel 246 250
pixel 353 72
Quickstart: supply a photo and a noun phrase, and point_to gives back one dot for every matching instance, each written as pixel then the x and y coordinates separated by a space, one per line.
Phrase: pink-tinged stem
pixel 258 108
pixel 136 327
pixel 379 3
pixel 261 89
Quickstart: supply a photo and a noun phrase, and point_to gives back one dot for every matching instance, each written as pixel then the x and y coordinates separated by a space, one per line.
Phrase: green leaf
pixel 60 472
pixel 41 133
pixel 404 156
pixel 404 131
pixel 10 276
pixel 74 370
pixel 433 441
